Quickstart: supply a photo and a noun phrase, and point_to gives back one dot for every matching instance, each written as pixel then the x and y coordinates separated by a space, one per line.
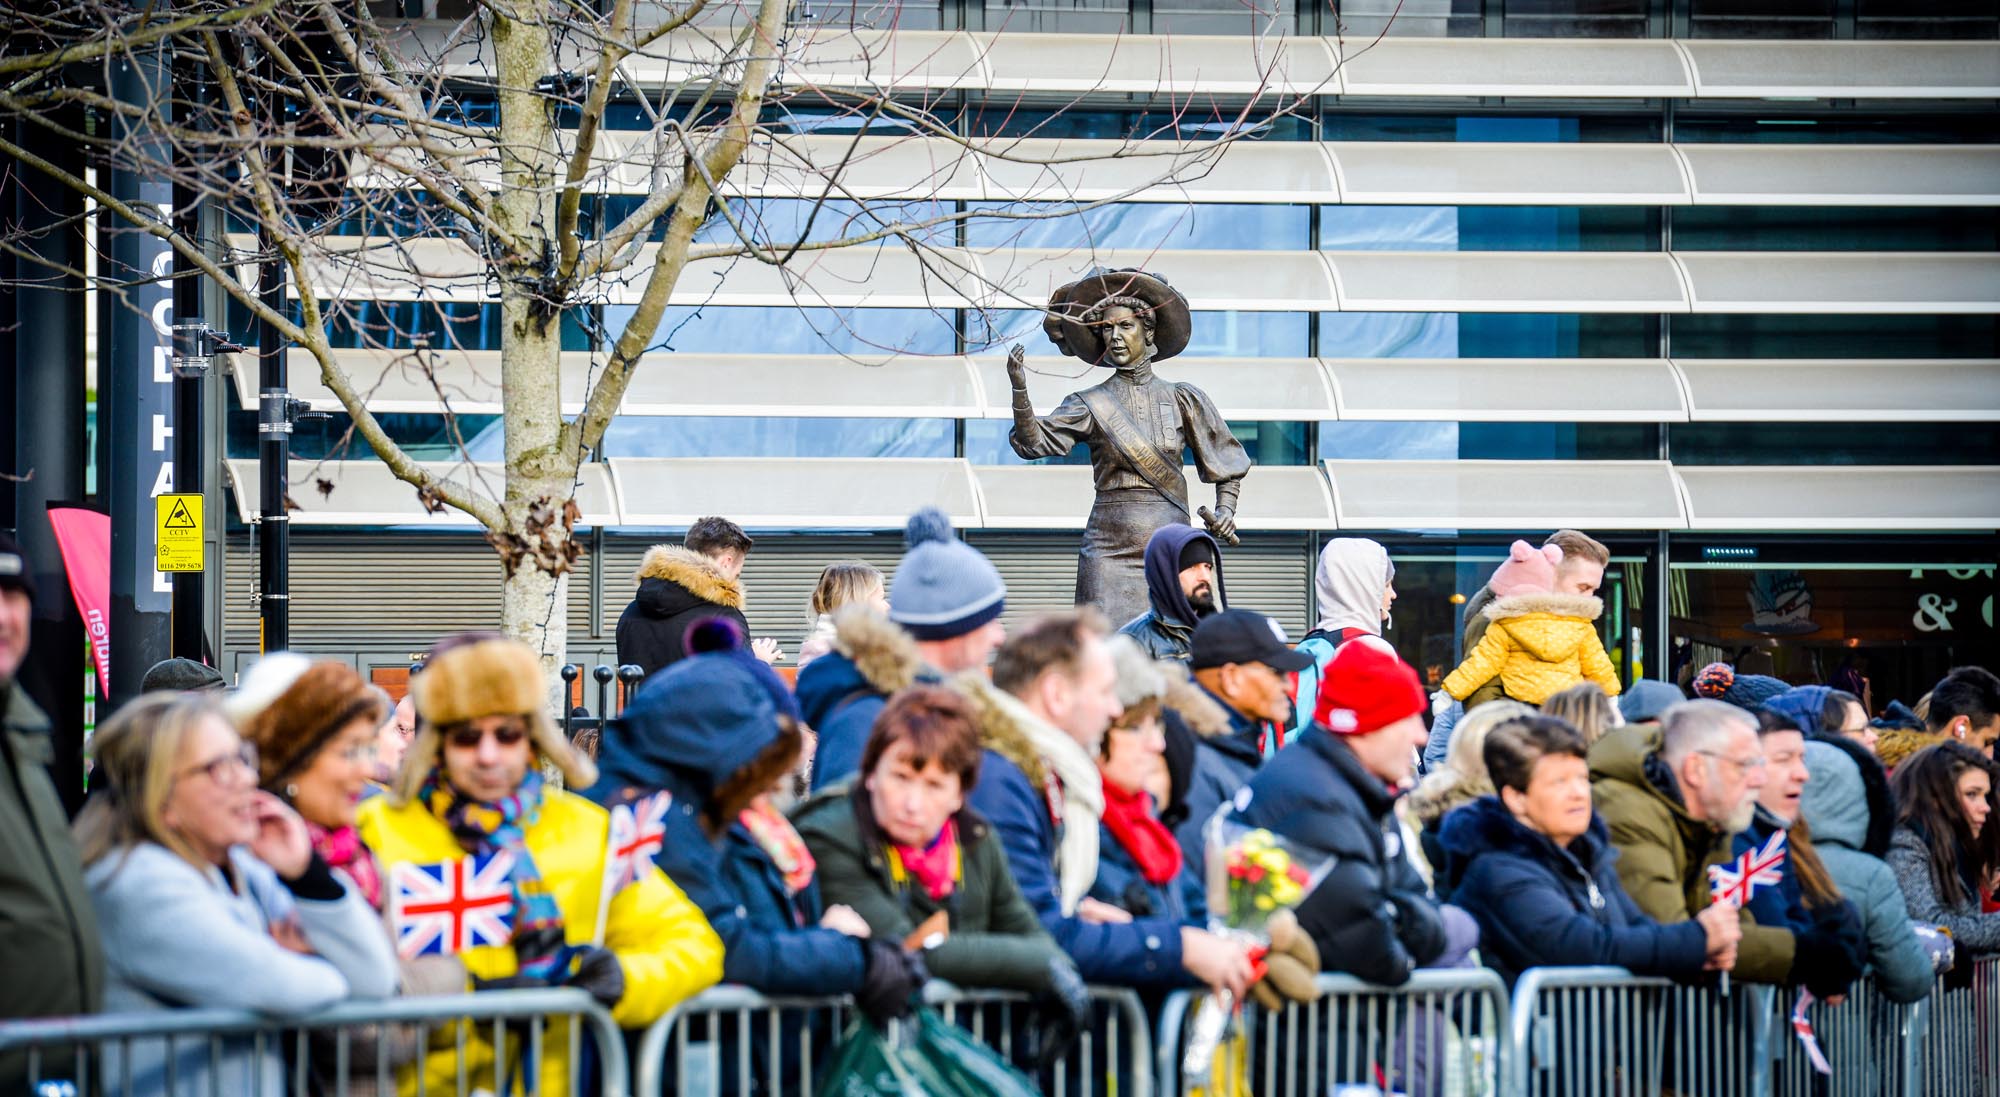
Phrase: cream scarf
pixel 1082 787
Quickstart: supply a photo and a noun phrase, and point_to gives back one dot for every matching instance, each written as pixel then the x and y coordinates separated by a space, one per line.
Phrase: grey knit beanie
pixel 944 587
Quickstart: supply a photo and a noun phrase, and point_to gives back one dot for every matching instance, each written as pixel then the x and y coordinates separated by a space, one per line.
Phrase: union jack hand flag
pixel 452 906
pixel 1737 881
pixel 638 831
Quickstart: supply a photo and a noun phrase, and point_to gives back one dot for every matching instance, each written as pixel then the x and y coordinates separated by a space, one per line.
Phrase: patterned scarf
pixel 342 849
pixel 774 834
pixel 483 829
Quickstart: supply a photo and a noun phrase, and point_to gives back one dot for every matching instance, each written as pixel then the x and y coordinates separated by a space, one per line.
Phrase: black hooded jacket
pixel 677 587
pixel 1167 630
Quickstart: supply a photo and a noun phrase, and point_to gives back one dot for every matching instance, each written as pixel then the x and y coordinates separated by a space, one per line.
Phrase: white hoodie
pixel 1352 576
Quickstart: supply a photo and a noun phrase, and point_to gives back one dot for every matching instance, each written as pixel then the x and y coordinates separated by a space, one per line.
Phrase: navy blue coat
pixel 1145 952
pixel 1120 883
pixel 1222 764
pixel 840 704
pixel 689 729
pixel 1540 905
pixel 1371 916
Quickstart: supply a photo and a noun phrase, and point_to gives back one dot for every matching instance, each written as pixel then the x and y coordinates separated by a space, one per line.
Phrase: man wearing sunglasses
pixel 470 792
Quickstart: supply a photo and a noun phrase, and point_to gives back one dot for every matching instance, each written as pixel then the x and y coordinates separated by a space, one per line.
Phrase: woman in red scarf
pixel 1140 867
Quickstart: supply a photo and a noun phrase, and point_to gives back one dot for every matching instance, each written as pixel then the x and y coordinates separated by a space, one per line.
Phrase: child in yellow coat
pixel 1539 642
pixel 471 789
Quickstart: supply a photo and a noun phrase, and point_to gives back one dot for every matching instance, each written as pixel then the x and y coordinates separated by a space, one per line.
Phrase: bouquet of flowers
pixel 1252 875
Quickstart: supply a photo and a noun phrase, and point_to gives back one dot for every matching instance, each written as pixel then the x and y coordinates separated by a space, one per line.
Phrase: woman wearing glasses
pixel 209 894
pixel 470 813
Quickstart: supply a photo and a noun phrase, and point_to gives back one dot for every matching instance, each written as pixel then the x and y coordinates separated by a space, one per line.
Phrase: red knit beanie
pixel 1367 687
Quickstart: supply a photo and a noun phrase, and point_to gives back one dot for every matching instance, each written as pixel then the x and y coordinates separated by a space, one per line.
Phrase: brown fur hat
pixel 313 701
pixel 479 674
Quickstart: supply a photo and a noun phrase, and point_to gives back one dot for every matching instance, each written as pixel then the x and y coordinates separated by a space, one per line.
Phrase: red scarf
pixel 774 834
pixel 935 867
pixel 1130 818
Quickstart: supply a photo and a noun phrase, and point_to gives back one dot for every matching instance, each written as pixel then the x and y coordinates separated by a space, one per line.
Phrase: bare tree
pixel 432 161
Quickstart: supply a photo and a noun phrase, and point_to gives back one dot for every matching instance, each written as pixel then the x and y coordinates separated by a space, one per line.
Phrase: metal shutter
pixel 354 591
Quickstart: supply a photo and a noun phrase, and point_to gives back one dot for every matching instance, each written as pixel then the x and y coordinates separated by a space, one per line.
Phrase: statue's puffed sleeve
pixel 1218 456
pixel 1054 434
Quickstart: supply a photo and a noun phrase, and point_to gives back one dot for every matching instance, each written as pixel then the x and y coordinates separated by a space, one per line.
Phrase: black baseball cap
pixel 14 571
pixel 1244 636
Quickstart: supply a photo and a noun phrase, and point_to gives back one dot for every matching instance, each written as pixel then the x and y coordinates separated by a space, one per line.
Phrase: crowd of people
pixel 939 796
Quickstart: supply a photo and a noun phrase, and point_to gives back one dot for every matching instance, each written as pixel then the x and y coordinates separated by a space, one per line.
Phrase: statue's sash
pixel 1140 452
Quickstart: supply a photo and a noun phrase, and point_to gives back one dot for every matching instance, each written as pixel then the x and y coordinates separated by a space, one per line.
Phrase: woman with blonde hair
pixel 1460 780
pixel 1587 708
pixel 842 583
pixel 209 894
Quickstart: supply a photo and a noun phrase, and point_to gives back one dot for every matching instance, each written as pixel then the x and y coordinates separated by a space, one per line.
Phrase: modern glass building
pixel 1717 283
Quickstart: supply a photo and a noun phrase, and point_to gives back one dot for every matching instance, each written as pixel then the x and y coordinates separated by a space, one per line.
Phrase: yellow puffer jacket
pixel 666 947
pixel 1537 645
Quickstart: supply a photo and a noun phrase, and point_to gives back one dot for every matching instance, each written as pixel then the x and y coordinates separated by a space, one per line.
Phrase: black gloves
pixel 1832 953
pixel 1062 1013
pixel 599 972
pixel 889 977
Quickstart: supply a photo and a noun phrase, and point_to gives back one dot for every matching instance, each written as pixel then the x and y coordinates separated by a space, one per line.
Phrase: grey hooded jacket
pixel 1835 806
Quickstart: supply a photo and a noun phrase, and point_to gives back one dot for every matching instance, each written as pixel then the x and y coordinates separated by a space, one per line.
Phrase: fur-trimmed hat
pixel 290 707
pixel 477 674
pixel 1072 308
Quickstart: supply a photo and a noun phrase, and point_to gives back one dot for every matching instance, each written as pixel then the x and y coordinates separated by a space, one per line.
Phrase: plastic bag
pixel 927 1057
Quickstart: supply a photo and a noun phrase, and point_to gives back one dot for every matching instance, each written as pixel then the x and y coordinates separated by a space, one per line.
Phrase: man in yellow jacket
pixel 470 821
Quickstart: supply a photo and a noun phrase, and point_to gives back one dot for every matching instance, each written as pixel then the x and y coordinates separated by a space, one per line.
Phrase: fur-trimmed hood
pixel 1550 627
pixel 673 579
pixel 1192 703
pixel 1587 606
pixel 869 654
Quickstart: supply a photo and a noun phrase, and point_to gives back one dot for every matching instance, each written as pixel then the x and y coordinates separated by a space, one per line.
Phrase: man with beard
pixel 1674 796
pixel 1184 585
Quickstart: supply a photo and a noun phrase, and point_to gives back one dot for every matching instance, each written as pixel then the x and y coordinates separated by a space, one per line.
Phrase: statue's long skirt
pixel 1111 567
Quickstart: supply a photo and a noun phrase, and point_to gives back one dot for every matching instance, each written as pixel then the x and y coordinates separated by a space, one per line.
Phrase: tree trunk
pixel 536 547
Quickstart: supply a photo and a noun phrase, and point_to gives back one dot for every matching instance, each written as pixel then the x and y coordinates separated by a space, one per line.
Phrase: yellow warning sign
pixel 178 532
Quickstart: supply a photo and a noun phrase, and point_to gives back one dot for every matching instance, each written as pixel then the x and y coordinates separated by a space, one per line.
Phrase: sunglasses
pixel 466 737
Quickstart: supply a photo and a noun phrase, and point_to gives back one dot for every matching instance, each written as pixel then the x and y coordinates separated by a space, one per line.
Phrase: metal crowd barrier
pixel 1875 1047
pixel 1603 1030
pixel 1442 1034
pixel 1955 1048
pixel 732 1040
pixel 232 1053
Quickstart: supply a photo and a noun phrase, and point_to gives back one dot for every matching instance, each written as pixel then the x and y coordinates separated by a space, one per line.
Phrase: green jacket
pixel 1664 854
pixel 49 947
pixel 995 938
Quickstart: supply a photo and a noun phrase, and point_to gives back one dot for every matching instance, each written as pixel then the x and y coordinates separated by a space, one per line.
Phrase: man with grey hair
pixel 1674 795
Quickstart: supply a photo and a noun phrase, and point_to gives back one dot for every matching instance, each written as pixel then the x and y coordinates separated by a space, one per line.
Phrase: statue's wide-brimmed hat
pixel 1069 305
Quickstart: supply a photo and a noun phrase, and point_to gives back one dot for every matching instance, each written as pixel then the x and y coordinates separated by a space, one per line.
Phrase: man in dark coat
pixel 49 949
pixel 945 602
pixel 1184 585
pixel 680 585
pixel 1240 661
pixel 1332 791
pixel 1042 720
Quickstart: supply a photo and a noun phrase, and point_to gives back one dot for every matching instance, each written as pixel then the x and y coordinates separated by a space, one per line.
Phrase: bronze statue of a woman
pixel 1136 426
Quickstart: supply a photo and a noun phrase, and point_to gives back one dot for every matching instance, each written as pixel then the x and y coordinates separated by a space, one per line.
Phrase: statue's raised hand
pixel 1017 368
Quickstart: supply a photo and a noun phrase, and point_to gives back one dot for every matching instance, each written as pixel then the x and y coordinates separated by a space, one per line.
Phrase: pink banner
pixel 84 536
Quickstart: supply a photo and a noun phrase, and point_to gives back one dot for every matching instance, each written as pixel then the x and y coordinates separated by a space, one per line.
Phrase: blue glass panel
pixel 1443 441
pixel 1712 335
pixel 1215 334
pixel 730 436
pixel 1488 335
pixel 1351 124
pixel 1389 228
pixel 1185 226
pixel 742 329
